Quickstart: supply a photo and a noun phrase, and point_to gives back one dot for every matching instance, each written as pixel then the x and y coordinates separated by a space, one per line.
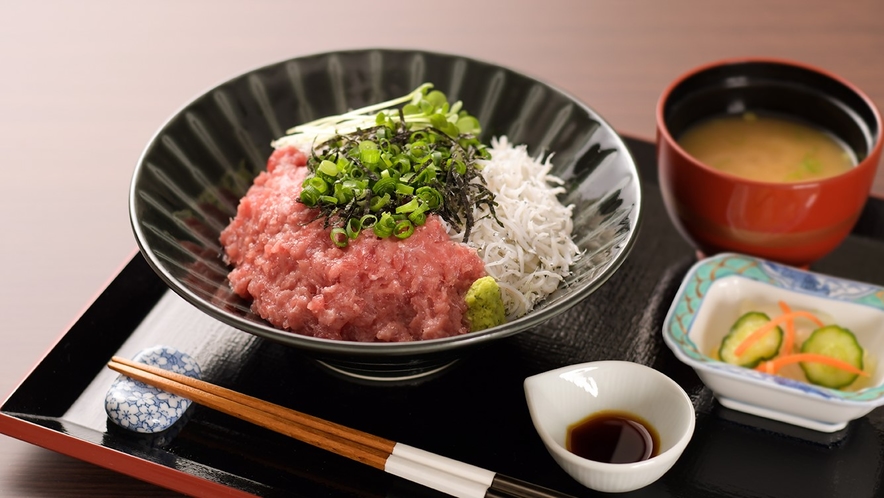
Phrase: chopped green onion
pixel 339 237
pixel 430 196
pixel 329 168
pixel 320 185
pixel 344 193
pixel 385 226
pixel 427 175
pixel 404 229
pixel 371 156
pixel 368 220
pixel 358 173
pixel 385 185
pixel 418 150
pixel 378 202
pixel 367 145
pixel 409 207
pixel 309 195
pixel 354 226
pixel 418 217
pixel 355 184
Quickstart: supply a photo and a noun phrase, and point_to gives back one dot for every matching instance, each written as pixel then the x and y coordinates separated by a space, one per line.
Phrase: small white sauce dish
pixel 560 398
pixel 717 290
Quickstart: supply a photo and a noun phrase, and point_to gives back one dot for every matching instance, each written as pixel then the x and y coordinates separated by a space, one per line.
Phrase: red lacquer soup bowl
pixel 794 223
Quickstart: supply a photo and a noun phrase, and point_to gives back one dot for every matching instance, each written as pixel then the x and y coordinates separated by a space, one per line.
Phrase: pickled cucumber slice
pixel 763 349
pixel 835 342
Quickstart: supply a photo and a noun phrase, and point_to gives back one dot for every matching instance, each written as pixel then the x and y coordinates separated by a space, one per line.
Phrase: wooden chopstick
pixel 366 449
pixel 441 473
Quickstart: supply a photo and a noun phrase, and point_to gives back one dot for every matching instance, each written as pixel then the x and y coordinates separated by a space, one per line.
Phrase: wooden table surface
pixel 83 86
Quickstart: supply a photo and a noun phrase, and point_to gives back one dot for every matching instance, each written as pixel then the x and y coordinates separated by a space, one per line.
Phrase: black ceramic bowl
pixel 190 177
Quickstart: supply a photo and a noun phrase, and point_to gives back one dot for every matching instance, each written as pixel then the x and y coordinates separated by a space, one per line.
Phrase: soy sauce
pixel 613 437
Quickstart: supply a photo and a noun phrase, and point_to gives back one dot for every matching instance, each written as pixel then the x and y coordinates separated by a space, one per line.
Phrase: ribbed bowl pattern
pixel 187 184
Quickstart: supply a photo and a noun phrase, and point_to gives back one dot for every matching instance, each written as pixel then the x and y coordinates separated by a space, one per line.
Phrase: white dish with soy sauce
pixel 629 421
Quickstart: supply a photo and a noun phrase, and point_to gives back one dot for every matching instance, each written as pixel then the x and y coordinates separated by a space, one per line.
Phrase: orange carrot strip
pixel 773 366
pixel 760 331
pixel 789 340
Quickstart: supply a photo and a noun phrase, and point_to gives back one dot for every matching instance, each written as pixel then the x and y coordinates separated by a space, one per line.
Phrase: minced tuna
pixel 372 290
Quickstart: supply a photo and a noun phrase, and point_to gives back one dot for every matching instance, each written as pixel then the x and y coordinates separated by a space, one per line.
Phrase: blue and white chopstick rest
pixel 138 407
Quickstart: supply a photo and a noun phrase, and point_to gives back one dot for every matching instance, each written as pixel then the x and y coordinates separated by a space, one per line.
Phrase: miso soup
pixel 767 148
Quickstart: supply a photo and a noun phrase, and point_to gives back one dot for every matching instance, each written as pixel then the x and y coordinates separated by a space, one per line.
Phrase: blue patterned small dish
pixel 138 407
pixel 717 290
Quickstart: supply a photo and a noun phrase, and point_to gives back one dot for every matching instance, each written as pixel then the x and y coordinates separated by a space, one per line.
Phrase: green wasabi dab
pixel 485 307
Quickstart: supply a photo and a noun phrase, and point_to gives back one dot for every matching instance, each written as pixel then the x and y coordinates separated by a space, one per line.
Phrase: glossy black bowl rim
pixel 372 349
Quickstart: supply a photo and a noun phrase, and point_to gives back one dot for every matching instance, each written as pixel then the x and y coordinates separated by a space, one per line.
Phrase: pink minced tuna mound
pixel 373 290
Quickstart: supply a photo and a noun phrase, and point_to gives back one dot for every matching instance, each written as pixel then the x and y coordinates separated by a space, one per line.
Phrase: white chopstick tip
pixel 445 464
pixel 431 477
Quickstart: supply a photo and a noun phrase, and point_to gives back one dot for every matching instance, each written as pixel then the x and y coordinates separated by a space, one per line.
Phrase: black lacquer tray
pixel 474 412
